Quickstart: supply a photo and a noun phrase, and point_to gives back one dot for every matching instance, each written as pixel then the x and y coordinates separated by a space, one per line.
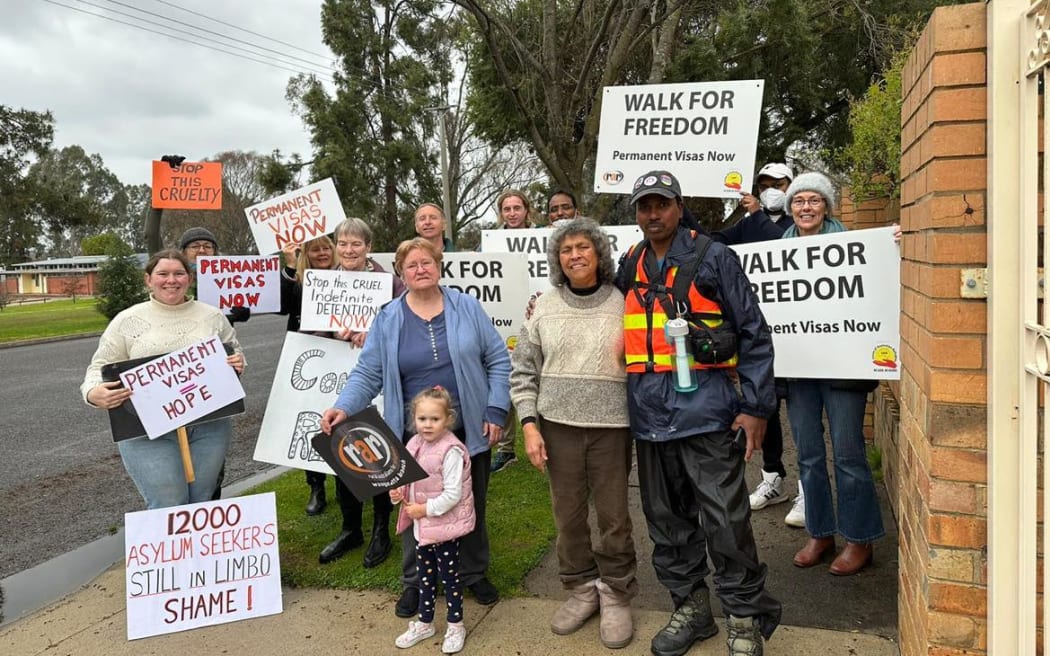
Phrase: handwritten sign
pixel 174 389
pixel 343 299
pixel 201 564
pixel 188 186
pixel 295 217
pixel 309 376
pixel 250 281
pixel 705 133
pixel 533 243
pixel 832 302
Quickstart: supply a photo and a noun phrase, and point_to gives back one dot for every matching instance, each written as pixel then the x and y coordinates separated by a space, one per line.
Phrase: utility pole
pixel 446 183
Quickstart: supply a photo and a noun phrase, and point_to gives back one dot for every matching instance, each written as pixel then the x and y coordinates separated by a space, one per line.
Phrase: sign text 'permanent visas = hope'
pixel 251 281
pixel 295 217
pixel 174 389
pixel 333 300
pixel 201 564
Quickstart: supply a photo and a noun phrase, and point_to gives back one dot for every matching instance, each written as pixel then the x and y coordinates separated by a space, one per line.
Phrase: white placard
pixel 251 281
pixel 310 374
pixel 201 564
pixel 832 302
pixel 174 389
pixel 705 133
pixel 295 217
pixel 343 299
pixel 533 243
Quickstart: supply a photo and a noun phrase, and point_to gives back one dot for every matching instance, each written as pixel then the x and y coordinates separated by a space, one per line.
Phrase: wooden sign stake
pixel 184 450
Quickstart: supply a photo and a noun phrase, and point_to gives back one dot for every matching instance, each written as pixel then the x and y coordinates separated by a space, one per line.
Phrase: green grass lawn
pixel 50 319
pixel 519 519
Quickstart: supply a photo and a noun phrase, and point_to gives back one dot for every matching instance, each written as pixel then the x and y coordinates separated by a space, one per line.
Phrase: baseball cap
pixel 776 170
pixel 661 183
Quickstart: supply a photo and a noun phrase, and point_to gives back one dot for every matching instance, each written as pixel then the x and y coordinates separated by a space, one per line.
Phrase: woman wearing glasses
pixel 857 518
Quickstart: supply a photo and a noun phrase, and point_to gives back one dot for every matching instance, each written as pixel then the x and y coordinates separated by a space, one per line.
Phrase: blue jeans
pixel 156 466
pixel 858 517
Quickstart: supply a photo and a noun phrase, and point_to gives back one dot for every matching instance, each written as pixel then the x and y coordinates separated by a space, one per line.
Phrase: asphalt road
pixel 61 480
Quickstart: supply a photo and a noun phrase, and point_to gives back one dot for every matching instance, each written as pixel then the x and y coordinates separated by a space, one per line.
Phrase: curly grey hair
pixel 593 232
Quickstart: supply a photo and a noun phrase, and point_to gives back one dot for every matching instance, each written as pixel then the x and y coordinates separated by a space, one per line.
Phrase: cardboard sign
pixel 705 133
pixel 832 302
pixel 366 456
pixel 309 376
pixel 124 422
pixel 250 281
pixel 188 186
pixel 174 389
pixel 295 217
pixel 343 299
pixel 201 564
pixel 533 243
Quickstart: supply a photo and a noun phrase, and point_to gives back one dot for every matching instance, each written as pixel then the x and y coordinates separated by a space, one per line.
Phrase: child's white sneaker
pixel 417 632
pixel 455 636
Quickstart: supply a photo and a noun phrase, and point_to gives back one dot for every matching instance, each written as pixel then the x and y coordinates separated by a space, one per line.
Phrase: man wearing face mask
pixel 767 219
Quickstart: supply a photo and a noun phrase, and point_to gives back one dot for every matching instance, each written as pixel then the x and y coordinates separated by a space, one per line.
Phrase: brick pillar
pixel 941 447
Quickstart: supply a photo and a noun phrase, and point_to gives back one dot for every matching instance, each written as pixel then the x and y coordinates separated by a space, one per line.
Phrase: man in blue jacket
pixel 692 446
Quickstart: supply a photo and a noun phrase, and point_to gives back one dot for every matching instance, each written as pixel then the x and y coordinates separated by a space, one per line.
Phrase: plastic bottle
pixel 676 331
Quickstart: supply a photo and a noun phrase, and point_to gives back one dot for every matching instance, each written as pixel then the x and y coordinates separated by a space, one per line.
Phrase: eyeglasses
pixel 420 266
pixel 201 246
pixel 802 202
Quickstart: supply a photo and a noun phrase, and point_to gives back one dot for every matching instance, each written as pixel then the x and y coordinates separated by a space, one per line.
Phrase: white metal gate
pixel 1018 351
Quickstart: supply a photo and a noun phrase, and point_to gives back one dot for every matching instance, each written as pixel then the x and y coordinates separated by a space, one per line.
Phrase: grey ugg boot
pixel 576 610
pixel 617 627
pixel 691 621
pixel 744 639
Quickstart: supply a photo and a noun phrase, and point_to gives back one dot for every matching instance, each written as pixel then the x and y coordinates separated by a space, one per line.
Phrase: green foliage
pixel 277 176
pixel 872 159
pixel 22 133
pixel 874 456
pixel 49 319
pixel 120 282
pixel 101 244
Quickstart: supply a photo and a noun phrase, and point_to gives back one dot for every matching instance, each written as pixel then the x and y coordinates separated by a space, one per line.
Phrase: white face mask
pixel 772 199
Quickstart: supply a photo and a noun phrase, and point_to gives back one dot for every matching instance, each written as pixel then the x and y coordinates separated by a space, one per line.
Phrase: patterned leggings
pixel 440 558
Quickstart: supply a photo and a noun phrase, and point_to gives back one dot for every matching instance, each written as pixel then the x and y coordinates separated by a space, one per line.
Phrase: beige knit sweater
pixel 568 365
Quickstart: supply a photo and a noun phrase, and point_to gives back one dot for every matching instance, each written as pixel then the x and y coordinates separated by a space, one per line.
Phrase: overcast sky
pixel 132 96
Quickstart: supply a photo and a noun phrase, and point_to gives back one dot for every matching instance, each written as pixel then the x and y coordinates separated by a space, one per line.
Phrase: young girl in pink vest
pixel 440 510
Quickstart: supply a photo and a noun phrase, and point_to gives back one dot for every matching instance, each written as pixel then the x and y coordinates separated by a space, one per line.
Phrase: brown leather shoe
pixel 853 558
pixel 814 551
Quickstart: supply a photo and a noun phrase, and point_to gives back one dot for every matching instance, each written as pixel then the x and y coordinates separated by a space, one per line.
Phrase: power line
pixel 237 27
pixel 177 38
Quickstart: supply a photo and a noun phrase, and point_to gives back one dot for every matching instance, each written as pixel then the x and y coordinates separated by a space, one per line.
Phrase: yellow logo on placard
pixel 884 356
pixel 733 180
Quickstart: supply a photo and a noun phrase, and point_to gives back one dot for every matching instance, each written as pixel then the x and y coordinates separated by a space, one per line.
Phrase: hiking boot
pixel 690 622
pixel 797 515
pixel 576 610
pixel 769 491
pixel 417 632
pixel 617 628
pixel 744 638
pixel 502 460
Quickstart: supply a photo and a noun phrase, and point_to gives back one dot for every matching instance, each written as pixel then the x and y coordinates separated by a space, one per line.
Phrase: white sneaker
pixel 455 636
pixel 797 516
pixel 769 491
pixel 417 632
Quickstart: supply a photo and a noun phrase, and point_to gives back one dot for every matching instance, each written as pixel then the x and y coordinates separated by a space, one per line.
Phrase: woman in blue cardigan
pixel 435 335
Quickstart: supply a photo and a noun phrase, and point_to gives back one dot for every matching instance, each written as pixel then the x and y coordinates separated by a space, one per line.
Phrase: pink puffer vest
pixel 458 521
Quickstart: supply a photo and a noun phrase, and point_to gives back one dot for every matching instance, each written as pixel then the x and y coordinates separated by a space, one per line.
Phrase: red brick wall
pixel 938 463
pixel 85 284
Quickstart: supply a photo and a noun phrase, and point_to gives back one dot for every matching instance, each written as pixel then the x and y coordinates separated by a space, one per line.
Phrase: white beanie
pixel 812 181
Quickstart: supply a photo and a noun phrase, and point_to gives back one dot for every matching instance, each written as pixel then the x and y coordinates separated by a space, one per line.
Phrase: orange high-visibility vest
pixel 645 345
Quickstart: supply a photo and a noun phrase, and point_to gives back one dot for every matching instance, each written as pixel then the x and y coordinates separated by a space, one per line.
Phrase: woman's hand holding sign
pixel 108 395
pixel 331 417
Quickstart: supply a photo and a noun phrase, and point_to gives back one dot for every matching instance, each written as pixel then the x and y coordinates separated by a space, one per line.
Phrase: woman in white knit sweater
pixel 169 320
pixel 569 387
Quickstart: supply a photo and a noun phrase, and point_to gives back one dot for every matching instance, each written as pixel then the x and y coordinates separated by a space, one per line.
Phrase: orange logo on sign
pixel 188 186
pixel 884 356
pixel 733 180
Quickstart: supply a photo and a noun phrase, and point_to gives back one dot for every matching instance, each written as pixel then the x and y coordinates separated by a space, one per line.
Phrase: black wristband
pixel 527 420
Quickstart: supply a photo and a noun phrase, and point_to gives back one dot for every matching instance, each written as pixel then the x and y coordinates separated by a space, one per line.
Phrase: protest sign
pixel 832 302
pixel 367 456
pixel 705 133
pixel 498 280
pixel 174 389
pixel 309 376
pixel 295 217
pixel 533 243
pixel 251 281
pixel 188 186
pixel 343 299
pixel 201 564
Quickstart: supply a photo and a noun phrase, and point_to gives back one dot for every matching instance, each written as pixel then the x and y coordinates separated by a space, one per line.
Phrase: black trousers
pixel 349 505
pixel 773 445
pixel 696 503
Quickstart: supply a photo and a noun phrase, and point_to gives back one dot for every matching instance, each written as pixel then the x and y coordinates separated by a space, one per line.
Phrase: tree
pixel 120 282
pixel 373 133
pixel 102 244
pixel 22 133
pixel 71 285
